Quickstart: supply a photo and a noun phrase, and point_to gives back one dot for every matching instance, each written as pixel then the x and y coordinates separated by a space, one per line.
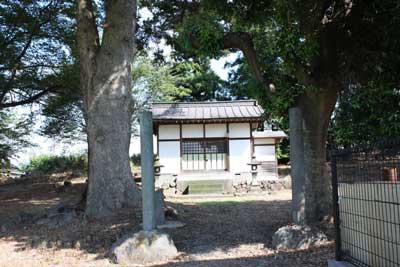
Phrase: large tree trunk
pixel 106 84
pixel 316 109
pixel 111 184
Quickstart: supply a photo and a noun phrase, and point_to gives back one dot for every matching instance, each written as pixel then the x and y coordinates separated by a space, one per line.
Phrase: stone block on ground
pixel 143 247
pixel 297 237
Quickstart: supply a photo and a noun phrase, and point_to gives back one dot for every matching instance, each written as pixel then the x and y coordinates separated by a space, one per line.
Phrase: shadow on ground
pixel 23 205
pixel 223 225
pixel 307 258
pixel 214 228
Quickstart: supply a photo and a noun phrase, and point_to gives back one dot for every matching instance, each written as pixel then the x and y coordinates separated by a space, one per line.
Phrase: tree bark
pixel 106 84
pixel 316 110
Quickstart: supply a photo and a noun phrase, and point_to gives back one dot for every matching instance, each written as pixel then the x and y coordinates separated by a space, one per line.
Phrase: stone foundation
pixel 243 183
pixel 261 186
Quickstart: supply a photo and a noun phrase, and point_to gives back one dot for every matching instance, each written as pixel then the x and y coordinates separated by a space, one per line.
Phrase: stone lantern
pixel 254 166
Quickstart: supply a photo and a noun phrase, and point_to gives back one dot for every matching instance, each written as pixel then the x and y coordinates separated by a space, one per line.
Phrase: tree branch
pixel 16 63
pixel 244 42
pixel 28 100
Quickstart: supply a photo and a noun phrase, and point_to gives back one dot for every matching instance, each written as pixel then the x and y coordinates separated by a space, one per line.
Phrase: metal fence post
pixel 335 196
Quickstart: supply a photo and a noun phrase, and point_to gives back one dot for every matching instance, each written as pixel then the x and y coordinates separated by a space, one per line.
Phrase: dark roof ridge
pixel 250 102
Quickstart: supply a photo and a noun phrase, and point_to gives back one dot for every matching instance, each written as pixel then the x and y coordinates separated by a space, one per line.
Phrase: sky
pixel 218 65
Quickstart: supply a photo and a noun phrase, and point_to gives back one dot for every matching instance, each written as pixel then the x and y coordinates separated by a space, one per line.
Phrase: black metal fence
pixel 366 192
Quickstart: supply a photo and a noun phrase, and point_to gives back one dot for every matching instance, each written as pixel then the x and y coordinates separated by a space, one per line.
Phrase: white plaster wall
pixel 134 147
pixel 239 129
pixel 192 131
pixel 170 153
pixel 168 132
pixel 264 153
pixel 239 155
pixel 216 130
pixel 264 141
pixel 375 229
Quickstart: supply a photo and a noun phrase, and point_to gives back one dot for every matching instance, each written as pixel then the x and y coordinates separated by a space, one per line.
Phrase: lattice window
pixel 204 155
pixel 192 147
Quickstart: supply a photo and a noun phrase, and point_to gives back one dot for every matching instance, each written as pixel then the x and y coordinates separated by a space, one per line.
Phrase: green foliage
pixel 154 82
pixel 37 62
pixel 290 42
pixel 13 132
pixel 276 107
pixel 174 81
pixel 48 164
pixel 366 114
pixel 283 151
pixel 63 110
pixel 276 37
pixel 301 47
pixel 201 82
pixel 201 33
pixel 36 38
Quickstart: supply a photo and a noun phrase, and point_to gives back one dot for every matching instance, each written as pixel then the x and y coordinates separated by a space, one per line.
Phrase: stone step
pixel 206 187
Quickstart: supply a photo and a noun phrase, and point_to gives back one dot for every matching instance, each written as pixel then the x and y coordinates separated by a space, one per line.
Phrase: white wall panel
pixel 134 147
pixel 239 155
pixel 264 153
pixel 216 130
pixel 264 141
pixel 168 131
pixel 239 129
pixel 170 153
pixel 192 131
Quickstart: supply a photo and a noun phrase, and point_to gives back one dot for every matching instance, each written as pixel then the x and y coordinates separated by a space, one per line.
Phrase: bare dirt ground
pixel 222 231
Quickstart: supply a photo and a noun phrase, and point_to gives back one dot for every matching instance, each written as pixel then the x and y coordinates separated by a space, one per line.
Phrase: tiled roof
pixel 218 111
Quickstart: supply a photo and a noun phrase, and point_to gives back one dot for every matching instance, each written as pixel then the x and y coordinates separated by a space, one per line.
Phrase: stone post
pixel 150 245
pixel 297 164
pixel 147 162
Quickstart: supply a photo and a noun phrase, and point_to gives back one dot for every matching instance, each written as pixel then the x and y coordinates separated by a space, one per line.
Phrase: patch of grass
pixel 222 202
pixel 53 164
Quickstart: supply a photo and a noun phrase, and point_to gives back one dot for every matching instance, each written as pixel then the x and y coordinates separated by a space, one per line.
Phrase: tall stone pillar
pixel 147 170
pixel 297 164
